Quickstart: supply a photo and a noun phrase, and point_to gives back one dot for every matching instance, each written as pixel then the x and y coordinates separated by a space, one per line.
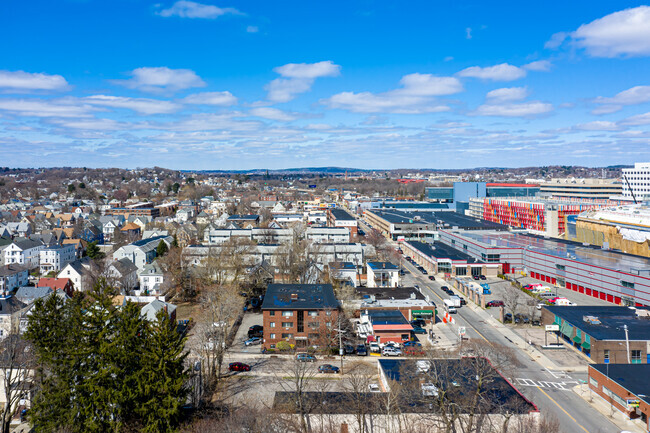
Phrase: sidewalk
pixel 602 406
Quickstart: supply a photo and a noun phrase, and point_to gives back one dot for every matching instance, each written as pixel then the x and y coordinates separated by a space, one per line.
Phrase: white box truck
pixel 456 301
pixel 449 306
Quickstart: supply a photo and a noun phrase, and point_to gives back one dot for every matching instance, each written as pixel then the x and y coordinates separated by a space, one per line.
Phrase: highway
pixel 551 391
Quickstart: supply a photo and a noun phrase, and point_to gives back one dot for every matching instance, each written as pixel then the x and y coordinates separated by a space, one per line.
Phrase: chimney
pixel 294 296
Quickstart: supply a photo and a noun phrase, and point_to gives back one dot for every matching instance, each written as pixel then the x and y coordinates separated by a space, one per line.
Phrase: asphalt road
pixel 549 390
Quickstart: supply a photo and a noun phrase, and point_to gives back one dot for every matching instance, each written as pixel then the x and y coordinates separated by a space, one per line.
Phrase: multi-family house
pixel 301 315
pixel 10 312
pixel 12 277
pixel 122 273
pixel 151 279
pixel 24 252
pixel 54 258
pixel 79 272
pixel 142 252
pixel 62 284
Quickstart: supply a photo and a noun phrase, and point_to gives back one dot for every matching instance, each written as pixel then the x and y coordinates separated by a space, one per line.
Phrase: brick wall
pixel 602 380
pixel 317 334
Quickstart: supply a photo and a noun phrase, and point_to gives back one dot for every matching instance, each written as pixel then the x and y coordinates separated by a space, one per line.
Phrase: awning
pixel 578 337
pixel 557 320
pixel 566 329
pixel 587 343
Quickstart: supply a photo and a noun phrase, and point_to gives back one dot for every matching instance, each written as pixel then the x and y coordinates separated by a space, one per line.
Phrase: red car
pixel 495 304
pixel 239 366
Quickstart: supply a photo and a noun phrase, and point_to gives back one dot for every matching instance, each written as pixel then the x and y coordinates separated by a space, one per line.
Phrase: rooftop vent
pixel 593 320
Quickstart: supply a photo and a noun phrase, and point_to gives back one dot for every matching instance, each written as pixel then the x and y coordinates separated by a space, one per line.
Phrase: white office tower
pixel 638 182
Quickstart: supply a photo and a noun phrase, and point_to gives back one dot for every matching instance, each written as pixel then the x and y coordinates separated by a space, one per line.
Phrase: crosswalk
pixel 565 385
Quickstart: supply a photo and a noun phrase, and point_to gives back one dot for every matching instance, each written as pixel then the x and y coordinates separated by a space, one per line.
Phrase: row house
pixel 54 258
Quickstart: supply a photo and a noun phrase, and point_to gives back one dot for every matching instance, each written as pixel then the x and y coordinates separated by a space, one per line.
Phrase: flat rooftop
pixel 341 215
pixel 633 377
pixel 612 319
pixel 587 254
pixel 309 296
pixel 378 266
pixel 390 292
pixel 446 219
pixel 439 250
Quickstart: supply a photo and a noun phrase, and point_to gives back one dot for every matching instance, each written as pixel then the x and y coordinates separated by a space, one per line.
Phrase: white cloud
pixel 18 81
pixel 43 108
pixel 252 29
pixel 502 72
pixel 632 96
pixel 161 79
pixel 272 114
pixel 507 94
pixel 141 105
pixel 309 70
pixel 468 33
pixel 211 98
pixel 623 33
pixel 539 65
pixel 190 9
pixel 524 109
pixel 415 96
pixel 556 40
pixel 298 78
pixel 597 125
pixel 639 119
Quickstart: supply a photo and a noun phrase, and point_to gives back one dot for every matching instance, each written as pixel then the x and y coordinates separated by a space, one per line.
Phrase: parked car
pixel 476 277
pixel 507 318
pixel 462 301
pixel 432 278
pixel 373 387
pixel 412 344
pixel 239 366
pixel 391 351
pixel 305 357
pixel 495 303
pixel 424 271
pixel 418 322
pixel 413 351
pixel 349 349
pixel 255 331
pixel 419 330
pixel 536 323
pixel 328 368
pixel 374 347
pixel 361 350
pixel 483 277
pixel 253 341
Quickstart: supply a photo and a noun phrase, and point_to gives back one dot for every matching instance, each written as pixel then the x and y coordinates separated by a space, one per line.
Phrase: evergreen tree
pixel 105 368
pixel 93 251
pixel 175 242
pixel 163 389
pixel 161 249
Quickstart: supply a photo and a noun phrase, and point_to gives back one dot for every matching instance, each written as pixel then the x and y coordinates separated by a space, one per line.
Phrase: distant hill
pixel 302 170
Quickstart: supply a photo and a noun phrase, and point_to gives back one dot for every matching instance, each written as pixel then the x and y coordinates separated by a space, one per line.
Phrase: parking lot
pixel 250 319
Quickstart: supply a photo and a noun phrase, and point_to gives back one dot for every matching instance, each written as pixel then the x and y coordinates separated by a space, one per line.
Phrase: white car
pixel 373 387
pixel 374 347
pixel 391 351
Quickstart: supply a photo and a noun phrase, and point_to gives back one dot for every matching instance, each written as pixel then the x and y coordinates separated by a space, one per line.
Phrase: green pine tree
pixel 161 249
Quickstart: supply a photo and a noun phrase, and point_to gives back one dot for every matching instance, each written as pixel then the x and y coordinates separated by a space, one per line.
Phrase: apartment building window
pixel 312 325
pixel 627 284
pixel 329 325
pixel 313 314
pixel 287 335
pixel 636 356
pixel 271 313
pixel 272 336
pixel 272 324
pixel 328 313
pixel 287 325
pixel 287 314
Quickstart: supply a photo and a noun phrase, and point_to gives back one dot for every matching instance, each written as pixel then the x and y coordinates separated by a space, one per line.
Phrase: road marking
pixel 562 409
pixel 545 384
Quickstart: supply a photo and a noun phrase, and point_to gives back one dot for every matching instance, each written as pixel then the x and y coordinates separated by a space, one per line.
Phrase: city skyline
pixel 244 85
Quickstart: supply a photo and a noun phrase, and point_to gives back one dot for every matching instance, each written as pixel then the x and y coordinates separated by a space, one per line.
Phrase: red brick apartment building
pixel 624 386
pixel 303 315
pixel 340 218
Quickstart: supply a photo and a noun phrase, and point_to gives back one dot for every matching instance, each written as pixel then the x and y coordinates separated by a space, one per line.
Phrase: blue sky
pixel 369 84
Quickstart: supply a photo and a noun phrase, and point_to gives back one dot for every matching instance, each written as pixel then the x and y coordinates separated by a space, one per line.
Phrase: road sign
pixel 461 331
pixel 551 328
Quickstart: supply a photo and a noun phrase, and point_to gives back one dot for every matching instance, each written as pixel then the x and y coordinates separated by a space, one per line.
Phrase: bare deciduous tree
pixel 17 366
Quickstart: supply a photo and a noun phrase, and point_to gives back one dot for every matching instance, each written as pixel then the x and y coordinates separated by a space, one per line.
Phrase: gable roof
pixel 124 266
pixel 54 283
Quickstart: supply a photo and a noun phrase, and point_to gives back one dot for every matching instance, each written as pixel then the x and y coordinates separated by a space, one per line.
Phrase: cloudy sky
pixel 226 84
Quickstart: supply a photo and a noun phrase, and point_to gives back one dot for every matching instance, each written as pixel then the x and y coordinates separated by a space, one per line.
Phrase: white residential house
pixel 12 277
pixel 328 235
pixel 183 215
pixel 382 274
pixel 10 311
pixel 56 257
pixel 24 252
pixel 79 273
pixel 203 218
pixel 122 273
pixel 142 252
pixel 151 279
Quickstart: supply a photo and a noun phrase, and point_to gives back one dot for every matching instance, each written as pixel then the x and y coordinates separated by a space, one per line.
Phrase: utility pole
pixel 627 344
